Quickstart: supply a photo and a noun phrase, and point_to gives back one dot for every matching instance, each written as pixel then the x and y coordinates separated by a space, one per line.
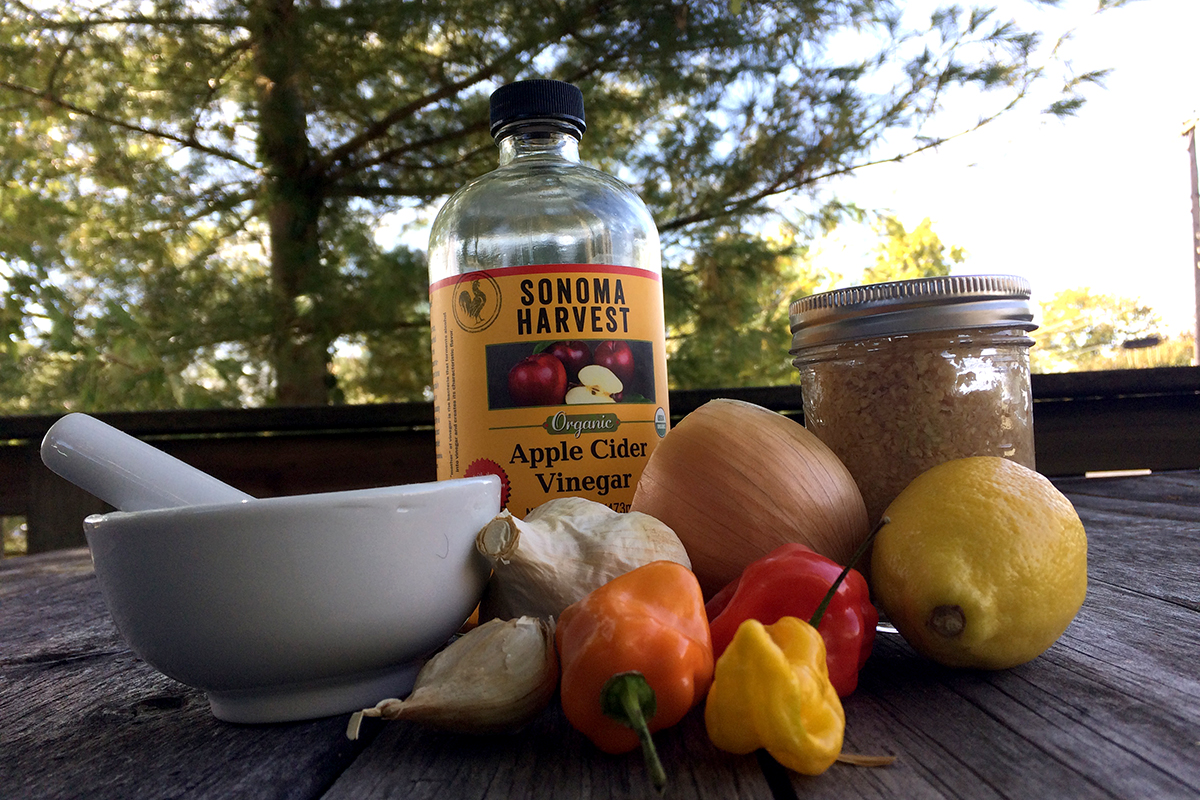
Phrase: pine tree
pixel 193 192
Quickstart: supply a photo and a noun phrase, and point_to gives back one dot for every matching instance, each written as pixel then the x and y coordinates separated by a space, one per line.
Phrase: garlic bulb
pixel 495 678
pixel 564 549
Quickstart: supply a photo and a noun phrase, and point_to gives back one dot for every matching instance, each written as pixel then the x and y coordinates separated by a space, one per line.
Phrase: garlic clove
pixel 564 549
pixel 500 537
pixel 495 678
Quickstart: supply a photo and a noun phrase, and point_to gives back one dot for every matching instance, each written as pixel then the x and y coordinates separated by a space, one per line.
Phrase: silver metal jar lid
pixel 914 306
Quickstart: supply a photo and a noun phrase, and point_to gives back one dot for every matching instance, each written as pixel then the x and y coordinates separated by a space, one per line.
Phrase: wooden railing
pixel 1085 421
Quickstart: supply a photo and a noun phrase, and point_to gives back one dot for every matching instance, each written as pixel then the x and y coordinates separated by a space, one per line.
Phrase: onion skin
pixel 735 480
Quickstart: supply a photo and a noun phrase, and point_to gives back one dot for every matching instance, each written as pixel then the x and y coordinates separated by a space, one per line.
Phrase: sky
pixel 1101 199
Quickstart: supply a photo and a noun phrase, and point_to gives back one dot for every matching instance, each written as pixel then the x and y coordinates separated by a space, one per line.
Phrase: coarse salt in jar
pixel 898 377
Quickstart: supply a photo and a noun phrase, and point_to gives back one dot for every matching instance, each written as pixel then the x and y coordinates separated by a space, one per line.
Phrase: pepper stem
pixel 862 549
pixel 628 698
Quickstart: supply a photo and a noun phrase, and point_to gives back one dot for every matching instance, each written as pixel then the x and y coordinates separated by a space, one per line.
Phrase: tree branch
pixel 189 142
pixel 396 152
pixel 789 181
pixel 139 19
pixel 60 59
pixel 375 190
pixel 795 179
pixel 379 128
pixel 229 56
pixel 384 157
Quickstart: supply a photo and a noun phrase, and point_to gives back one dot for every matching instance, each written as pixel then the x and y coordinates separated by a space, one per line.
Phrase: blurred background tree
pixel 727 309
pixel 1079 329
pixel 1084 330
pixel 213 203
pixel 903 255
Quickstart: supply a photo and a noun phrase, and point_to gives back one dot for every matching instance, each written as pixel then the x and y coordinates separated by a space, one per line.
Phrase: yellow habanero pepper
pixel 771 690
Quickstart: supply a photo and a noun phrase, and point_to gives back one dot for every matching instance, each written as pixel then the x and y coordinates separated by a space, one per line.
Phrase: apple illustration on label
pixel 617 357
pixel 574 356
pixel 599 385
pixel 538 380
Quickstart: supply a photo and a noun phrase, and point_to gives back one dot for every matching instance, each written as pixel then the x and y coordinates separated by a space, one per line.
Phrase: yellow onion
pixel 735 480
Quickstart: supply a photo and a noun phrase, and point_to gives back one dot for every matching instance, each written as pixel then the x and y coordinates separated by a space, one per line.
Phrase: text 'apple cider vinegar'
pixel 549 362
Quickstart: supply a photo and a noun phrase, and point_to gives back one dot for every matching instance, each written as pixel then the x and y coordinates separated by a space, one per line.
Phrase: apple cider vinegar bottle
pixel 549 360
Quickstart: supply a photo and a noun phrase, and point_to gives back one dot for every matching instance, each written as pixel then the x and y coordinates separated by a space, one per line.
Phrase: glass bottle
pixel 549 359
pixel 898 377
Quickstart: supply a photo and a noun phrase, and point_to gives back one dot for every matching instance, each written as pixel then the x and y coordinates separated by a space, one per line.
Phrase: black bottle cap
pixel 537 99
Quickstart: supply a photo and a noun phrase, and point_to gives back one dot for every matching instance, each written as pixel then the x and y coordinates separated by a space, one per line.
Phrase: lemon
pixel 983 563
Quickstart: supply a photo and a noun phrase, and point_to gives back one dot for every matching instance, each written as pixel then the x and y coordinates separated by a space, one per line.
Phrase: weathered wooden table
pixel 1112 710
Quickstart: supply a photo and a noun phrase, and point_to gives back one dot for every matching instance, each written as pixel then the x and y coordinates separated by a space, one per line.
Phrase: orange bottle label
pixel 553 377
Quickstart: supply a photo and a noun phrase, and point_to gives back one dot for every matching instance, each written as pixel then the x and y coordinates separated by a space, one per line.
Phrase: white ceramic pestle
pixel 124 471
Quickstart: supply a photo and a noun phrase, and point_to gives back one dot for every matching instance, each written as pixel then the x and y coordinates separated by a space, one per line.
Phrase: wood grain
pixel 82 717
pixel 549 759
pixel 1112 710
pixel 1084 421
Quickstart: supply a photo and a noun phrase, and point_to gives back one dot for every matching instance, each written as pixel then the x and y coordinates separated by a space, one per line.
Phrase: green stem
pixel 862 549
pixel 628 698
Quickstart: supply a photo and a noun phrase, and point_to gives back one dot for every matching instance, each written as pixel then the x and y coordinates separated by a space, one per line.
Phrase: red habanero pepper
pixel 791 581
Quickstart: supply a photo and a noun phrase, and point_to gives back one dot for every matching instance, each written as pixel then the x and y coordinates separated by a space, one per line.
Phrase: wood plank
pixel 1121 419
pixel 1141 541
pixel 1158 381
pixel 14 481
pixel 200 422
pixel 1114 433
pixel 57 508
pixel 263 466
pixel 784 399
pixel 274 466
pixel 1042 729
pixel 1180 489
pixel 1111 710
pixel 81 716
pixel 1116 383
pixel 27 573
pixel 548 760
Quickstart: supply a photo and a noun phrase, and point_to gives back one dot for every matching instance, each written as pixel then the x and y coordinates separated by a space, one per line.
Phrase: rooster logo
pixel 472 304
pixel 476 301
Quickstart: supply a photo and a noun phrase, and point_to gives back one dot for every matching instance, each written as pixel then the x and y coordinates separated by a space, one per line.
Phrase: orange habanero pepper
pixel 636 649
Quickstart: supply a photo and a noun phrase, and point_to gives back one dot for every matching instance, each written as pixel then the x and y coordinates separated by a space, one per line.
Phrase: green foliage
pixel 1172 351
pixel 190 192
pixel 1084 330
pixel 903 255
pixel 727 310
pixel 13 535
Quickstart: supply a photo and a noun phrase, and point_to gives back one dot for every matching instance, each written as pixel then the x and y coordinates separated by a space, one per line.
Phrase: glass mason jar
pixel 898 377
